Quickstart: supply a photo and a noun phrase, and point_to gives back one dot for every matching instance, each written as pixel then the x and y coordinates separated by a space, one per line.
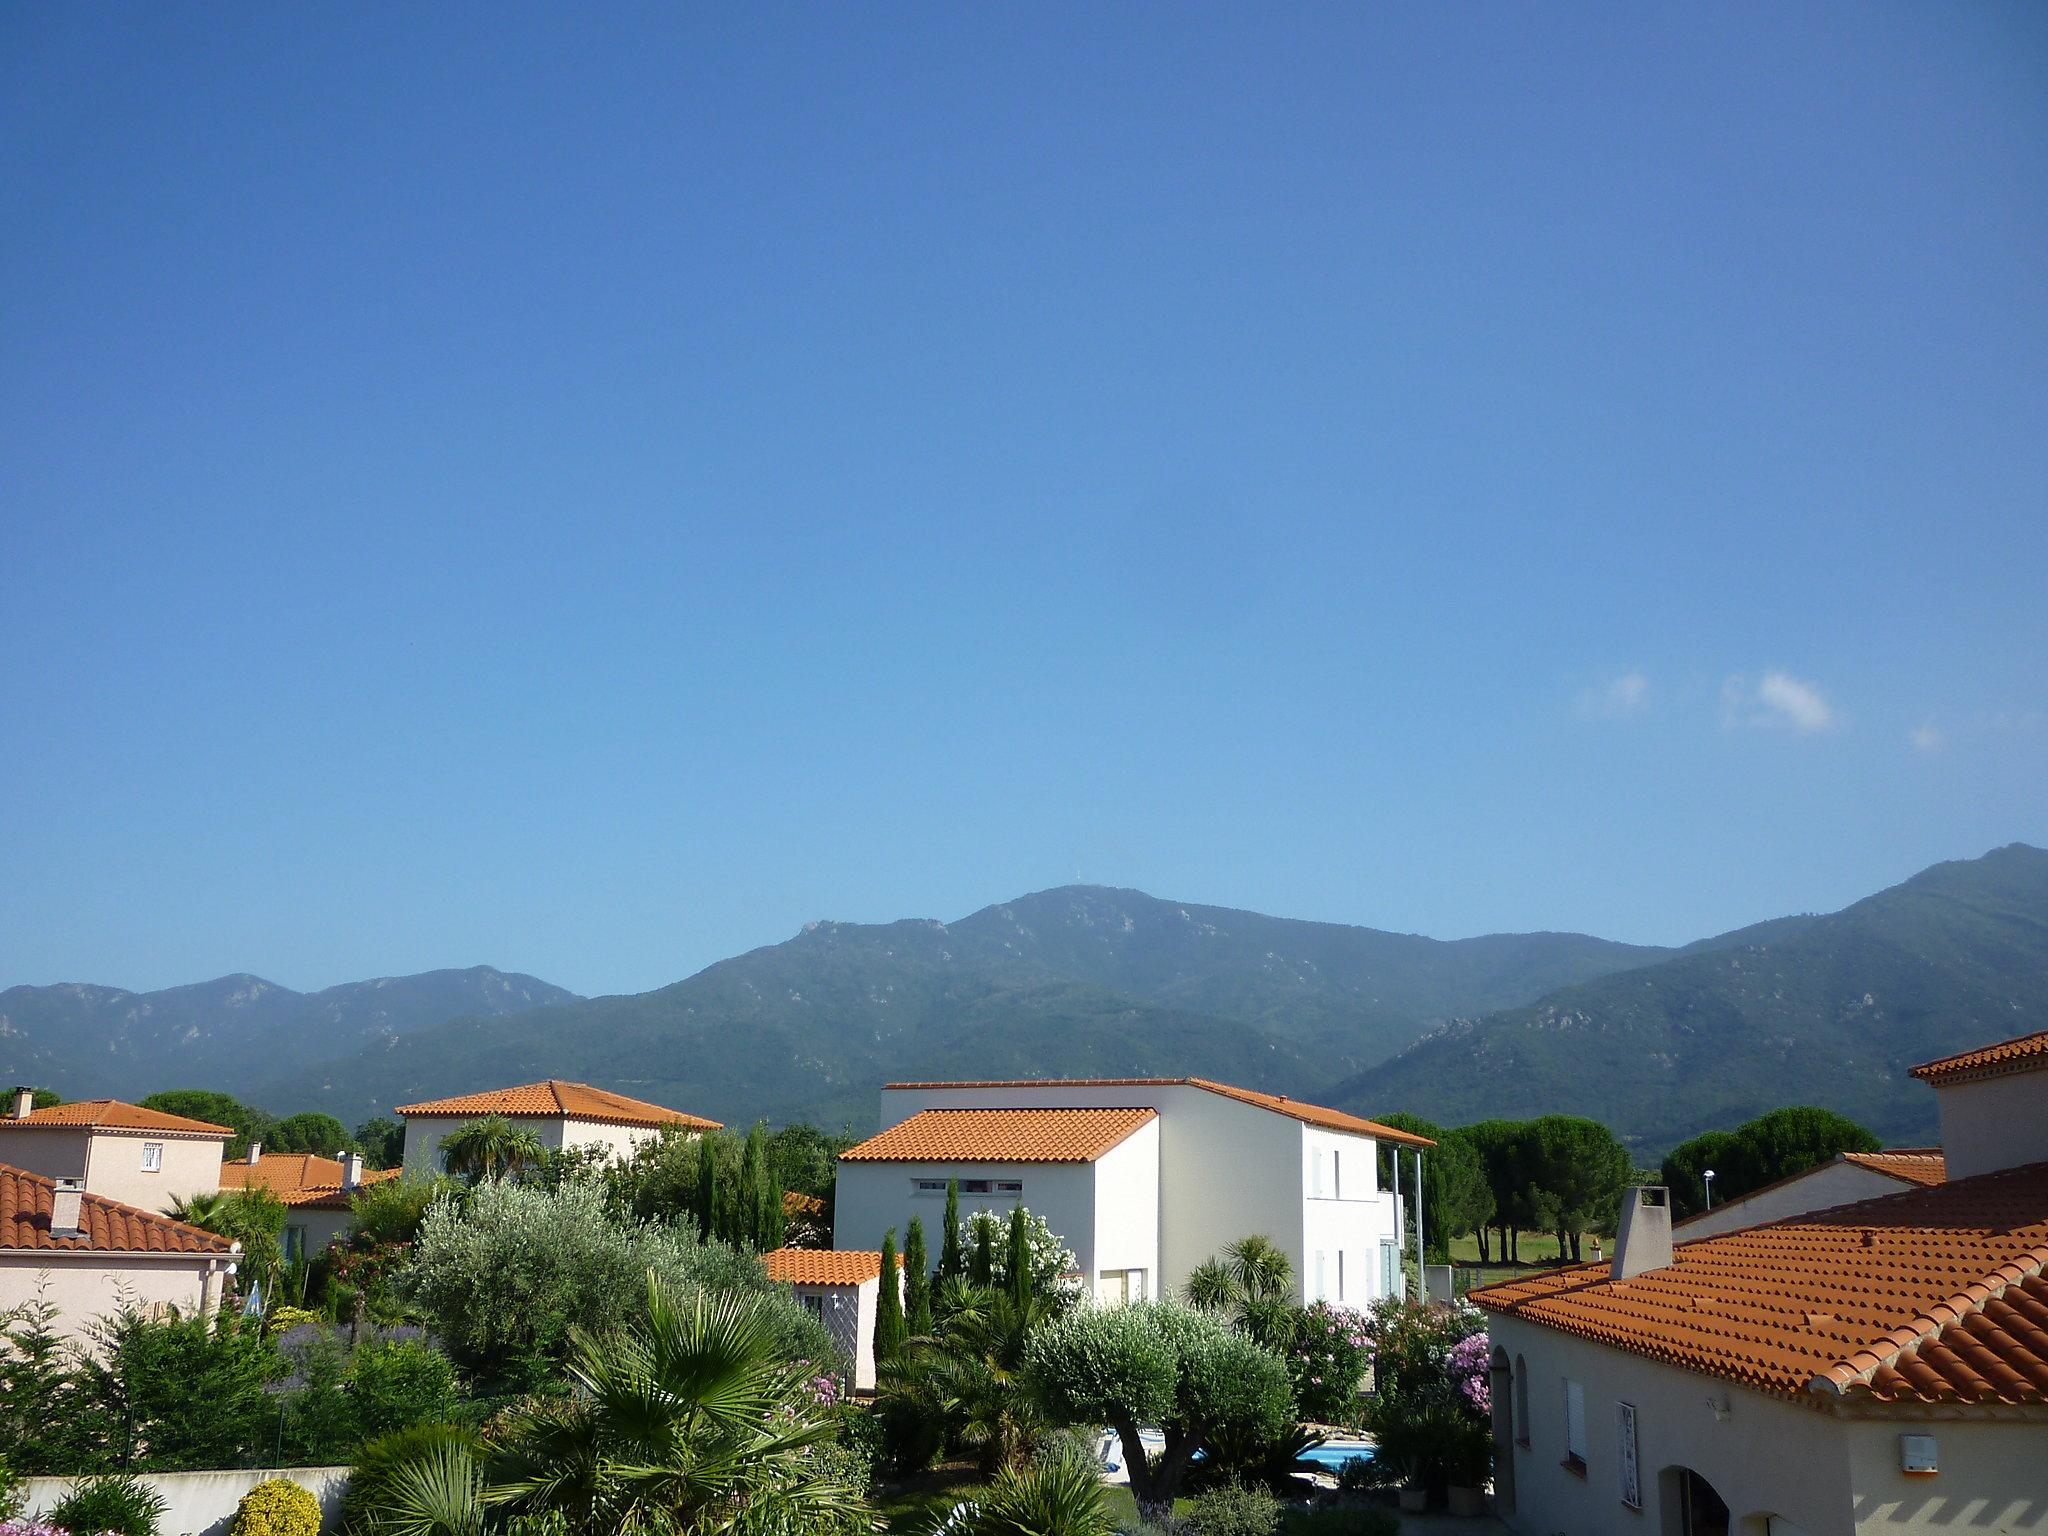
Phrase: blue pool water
pixel 1334 1453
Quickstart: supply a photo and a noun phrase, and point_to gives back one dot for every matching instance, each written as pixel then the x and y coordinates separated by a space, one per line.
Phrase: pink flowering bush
pixel 1326 1361
pixel 28 1527
pixel 1470 1370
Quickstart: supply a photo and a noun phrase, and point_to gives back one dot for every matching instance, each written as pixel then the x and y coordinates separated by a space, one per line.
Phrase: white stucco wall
pixel 872 1197
pixel 1127 1211
pixel 1996 1122
pixel 204 1503
pixel 1825 1474
pixel 425 1133
pixel 111 1162
pixel 848 1312
pixel 1818 1189
pixel 1226 1170
pixel 1344 1219
pixel 93 1286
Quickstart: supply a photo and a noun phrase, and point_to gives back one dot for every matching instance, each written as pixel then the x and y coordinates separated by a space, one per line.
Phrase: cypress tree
pixel 772 1214
pixel 753 1178
pixel 707 1187
pixel 889 1306
pixel 982 1268
pixel 952 1261
pixel 917 1282
pixel 1020 1260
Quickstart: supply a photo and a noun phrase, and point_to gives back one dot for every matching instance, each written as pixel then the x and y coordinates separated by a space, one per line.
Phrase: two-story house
pixel 140 1157
pixel 560 1114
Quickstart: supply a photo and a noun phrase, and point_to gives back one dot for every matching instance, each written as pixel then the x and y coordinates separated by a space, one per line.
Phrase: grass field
pixel 1538 1251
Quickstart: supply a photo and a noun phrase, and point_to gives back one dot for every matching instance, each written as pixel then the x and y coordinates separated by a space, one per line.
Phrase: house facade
pixel 560 1114
pixel 1873 1367
pixel 88 1256
pixel 1143 1178
pixel 841 1288
pixel 317 1192
pixel 1842 1180
pixel 123 1152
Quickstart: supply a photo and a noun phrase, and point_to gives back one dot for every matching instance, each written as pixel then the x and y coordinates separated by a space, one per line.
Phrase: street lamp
pixel 1709 1176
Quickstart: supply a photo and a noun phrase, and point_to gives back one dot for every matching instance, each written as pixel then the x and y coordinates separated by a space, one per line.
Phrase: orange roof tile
pixel 556 1099
pixel 2016 1055
pixel 1931 1295
pixel 297 1178
pixel 1278 1103
pixel 824 1266
pixel 1001 1136
pixel 111 1115
pixel 796 1203
pixel 109 1226
pixel 1916 1165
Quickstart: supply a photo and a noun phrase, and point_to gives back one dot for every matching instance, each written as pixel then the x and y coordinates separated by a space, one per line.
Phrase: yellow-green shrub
pixel 279 1507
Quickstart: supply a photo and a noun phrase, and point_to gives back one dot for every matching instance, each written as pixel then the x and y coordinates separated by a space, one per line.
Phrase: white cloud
pixel 1928 737
pixel 1777 699
pixel 1623 695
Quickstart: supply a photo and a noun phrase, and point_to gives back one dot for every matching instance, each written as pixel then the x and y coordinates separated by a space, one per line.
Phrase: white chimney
pixel 24 1103
pixel 351 1169
pixel 67 1209
pixel 1643 1240
pixel 255 1153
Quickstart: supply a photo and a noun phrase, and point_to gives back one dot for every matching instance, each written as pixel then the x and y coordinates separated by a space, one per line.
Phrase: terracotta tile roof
pixel 1001 1136
pixel 111 1115
pixel 2016 1055
pixel 1916 1165
pixel 297 1178
pixel 824 1266
pixel 1931 1295
pixel 1278 1103
pixel 796 1203
pixel 109 1226
pixel 556 1099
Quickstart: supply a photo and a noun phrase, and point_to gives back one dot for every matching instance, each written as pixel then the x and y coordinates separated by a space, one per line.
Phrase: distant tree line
pixel 1759 1152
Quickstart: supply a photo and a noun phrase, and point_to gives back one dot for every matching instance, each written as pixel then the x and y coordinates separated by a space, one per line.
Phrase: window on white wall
pixel 1390 1268
pixel 1009 1186
pixel 1337 1181
pixel 1322 1283
pixel 152 1157
pixel 1574 1425
pixel 1315 1183
pixel 927 1187
pixel 1341 1293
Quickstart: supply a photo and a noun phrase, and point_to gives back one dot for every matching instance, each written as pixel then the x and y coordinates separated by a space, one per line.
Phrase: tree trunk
pixel 1482 1245
pixel 1153 1487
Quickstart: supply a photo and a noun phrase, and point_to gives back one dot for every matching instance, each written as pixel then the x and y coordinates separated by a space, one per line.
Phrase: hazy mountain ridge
pixel 1827 1010
pixel 90 1040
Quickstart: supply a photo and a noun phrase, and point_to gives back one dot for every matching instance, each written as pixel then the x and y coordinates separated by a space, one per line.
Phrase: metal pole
pixel 1421 1273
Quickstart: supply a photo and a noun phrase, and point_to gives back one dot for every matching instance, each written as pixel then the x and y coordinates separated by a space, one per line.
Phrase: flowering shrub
pixel 1411 1345
pixel 279 1507
pixel 1469 1367
pixel 1327 1359
pixel 28 1527
pixel 1053 1264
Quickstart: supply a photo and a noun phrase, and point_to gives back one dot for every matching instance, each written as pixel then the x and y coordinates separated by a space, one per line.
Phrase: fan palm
pixel 1061 1497
pixel 968 1376
pixel 489 1149
pixel 690 1423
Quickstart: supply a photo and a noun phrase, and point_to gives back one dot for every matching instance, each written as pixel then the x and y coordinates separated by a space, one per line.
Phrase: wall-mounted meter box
pixel 1916 1456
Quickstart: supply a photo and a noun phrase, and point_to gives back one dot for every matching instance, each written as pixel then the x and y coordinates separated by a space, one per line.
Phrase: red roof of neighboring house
pixel 111 1115
pixel 2016 1055
pixel 559 1100
pixel 1916 1165
pixel 297 1178
pixel 796 1203
pixel 824 1266
pixel 1932 1295
pixel 1001 1136
pixel 1278 1103
pixel 109 1226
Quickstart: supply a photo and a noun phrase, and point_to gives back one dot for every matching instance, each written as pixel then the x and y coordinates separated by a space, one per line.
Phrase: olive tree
pixel 1158 1363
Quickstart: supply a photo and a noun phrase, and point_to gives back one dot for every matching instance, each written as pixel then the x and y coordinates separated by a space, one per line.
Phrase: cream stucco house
pixel 1874 1367
pixel 317 1192
pixel 560 1114
pixel 141 1157
pixel 1143 1178
pixel 88 1256
pixel 1841 1180
pixel 841 1288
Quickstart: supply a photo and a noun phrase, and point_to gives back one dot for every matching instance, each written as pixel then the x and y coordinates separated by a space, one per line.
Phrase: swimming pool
pixel 1332 1454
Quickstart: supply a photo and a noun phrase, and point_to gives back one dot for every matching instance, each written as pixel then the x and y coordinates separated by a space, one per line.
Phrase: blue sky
pixel 588 492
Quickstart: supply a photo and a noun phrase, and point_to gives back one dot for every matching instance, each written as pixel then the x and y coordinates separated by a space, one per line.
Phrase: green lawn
pixel 1538 1250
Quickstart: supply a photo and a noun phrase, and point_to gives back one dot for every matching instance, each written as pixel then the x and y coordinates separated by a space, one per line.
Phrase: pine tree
pixel 917 1282
pixel 952 1260
pixel 707 1186
pixel 982 1268
pixel 889 1328
pixel 1020 1260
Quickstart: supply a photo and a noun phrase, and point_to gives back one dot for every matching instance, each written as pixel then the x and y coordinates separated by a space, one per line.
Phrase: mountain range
pixel 1091 981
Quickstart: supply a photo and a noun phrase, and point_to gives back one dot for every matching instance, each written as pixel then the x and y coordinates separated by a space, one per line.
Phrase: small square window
pixel 152 1157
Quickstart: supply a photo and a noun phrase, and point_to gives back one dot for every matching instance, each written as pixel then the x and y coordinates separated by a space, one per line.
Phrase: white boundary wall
pixel 203 1503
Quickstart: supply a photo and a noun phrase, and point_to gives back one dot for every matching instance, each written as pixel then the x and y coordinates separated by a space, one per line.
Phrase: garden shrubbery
pixel 278 1507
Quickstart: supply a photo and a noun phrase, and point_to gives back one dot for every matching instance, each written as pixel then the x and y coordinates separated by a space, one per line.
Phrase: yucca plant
pixel 1061 1496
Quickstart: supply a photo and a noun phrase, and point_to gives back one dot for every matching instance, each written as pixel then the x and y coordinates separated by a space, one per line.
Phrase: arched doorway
pixel 1691 1506
pixel 1501 1380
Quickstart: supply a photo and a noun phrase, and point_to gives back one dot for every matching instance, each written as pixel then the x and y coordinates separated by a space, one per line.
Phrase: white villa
pixel 1143 1178
pixel 1874 1367
pixel 841 1289
pixel 560 1114
pixel 140 1157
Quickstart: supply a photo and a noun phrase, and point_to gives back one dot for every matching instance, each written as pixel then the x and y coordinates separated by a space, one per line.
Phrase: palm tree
pixel 691 1423
pixel 490 1149
pixel 1060 1497
pixel 968 1377
pixel 1252 1282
